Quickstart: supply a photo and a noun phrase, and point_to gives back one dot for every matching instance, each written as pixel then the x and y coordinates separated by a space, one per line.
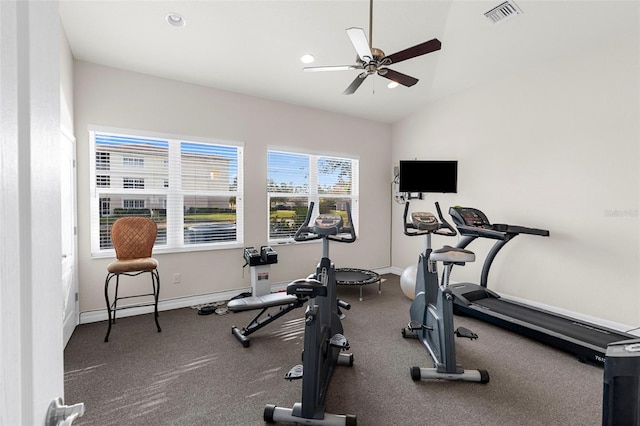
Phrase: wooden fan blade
pixel 398 77
pixel 359 40
pixel 417 50
pixel 355 84
pixel 332 68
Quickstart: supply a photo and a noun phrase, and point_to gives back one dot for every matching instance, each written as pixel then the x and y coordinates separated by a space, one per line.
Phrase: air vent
pixel 503 12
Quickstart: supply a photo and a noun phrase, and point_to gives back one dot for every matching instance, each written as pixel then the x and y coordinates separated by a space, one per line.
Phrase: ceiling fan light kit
pixel 372 60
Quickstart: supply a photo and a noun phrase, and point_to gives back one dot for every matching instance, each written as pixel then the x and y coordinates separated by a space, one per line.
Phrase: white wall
pixel 555 147
pixel 111 97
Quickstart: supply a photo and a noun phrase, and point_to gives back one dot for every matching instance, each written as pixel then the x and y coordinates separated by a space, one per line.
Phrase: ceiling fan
pixel 372 60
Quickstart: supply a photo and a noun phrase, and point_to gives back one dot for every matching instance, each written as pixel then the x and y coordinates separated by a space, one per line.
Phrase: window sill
pixel 105 254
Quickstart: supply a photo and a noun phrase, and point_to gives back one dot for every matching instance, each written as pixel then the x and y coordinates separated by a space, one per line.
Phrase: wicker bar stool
pixel 133 238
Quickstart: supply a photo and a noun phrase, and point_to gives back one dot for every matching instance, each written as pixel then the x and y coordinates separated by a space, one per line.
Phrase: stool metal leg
pixel 113 307
pixel 106 297
pixel 155 279
pixel 115 300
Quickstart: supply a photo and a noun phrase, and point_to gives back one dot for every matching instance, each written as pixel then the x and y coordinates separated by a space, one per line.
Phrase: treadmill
pixel 587 341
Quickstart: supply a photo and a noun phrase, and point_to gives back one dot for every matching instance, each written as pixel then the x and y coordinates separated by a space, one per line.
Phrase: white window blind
pixel 191 189
pixel 295 179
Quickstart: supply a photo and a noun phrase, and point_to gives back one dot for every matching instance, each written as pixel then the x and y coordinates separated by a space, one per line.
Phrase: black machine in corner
pixel 586 340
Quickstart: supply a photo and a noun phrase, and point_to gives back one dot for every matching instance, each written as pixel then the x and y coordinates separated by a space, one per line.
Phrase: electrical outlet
pixel 176 278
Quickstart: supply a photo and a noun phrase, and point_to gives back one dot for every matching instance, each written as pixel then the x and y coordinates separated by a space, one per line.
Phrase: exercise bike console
pixel 307 288
pixel 423 223
pixel 326 225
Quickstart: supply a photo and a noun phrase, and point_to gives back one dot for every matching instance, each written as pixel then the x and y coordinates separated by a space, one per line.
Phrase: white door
pixel 31 350
pixel 70 317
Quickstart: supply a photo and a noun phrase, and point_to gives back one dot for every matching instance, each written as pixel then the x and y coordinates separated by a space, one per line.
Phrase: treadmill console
pixel 472 222
pixel 467 216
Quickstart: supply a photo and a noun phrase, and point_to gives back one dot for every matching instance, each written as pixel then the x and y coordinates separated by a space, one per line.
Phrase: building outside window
pixel 192 189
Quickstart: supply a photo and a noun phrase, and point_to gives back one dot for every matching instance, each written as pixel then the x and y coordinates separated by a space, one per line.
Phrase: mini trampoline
pixel 359 277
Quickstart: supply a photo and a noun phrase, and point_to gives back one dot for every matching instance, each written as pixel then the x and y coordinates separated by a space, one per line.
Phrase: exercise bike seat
pixel 448 254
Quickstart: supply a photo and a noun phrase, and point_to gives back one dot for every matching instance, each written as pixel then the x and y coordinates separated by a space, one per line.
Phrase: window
pixel 191 188
pixel 103 160
pixel 103 181
pixel 294 180
pixel 133 183
pixel 133 162
pixel 105 206
pixel 133 204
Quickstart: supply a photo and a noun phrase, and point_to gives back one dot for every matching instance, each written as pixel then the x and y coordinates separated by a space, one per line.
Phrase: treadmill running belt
pixel 574 329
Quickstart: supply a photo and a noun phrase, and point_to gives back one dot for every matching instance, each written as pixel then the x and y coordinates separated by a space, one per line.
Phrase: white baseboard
pixel 87 317
pixel 625 328
pixel 164 305
pixel 395 270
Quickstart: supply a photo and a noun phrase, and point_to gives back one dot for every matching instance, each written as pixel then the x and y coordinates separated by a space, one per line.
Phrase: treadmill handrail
pixel 517 229
pixel 497 231
pixel 482 232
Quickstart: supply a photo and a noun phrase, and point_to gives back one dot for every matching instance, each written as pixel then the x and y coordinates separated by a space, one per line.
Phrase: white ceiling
pixel 253 47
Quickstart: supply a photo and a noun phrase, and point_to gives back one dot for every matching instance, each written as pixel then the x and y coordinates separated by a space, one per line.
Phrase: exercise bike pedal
pixel 295 373
pixel 415 326
pixel 339 341
pixel 465 332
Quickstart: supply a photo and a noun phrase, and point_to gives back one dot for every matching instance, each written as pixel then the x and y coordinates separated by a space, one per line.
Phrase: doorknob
pixel 63 415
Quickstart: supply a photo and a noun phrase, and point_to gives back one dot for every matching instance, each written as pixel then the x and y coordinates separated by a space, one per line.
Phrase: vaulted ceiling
pixel 254 47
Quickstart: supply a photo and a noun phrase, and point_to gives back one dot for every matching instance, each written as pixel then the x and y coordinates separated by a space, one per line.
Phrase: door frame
pixel 71 312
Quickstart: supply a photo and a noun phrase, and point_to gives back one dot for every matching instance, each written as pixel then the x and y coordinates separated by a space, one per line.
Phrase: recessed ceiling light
pixel 176 20
pixel 392 85
pixel 307 59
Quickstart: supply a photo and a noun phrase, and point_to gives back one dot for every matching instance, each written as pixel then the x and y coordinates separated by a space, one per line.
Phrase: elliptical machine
pixel 432 309
pixel 323 339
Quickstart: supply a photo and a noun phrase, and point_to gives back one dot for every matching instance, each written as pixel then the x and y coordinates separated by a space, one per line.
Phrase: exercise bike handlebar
pixel 443 228
pixel 329 227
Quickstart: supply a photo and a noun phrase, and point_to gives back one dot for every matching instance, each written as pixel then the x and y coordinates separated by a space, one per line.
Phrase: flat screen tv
pixel 428 176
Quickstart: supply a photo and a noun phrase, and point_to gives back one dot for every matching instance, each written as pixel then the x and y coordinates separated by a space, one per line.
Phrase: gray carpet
pixel 196 373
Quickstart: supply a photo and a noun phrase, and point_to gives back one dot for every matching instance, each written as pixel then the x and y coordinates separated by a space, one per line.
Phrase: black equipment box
pixel 621 396
pixel 268 255
pixel 252 257
pixel 265 256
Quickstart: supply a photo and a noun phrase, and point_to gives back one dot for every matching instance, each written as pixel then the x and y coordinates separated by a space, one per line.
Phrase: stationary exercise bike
pixel 432 308
pixel 323 339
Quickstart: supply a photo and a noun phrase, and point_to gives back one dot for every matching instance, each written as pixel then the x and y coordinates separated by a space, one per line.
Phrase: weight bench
pixel 287 303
